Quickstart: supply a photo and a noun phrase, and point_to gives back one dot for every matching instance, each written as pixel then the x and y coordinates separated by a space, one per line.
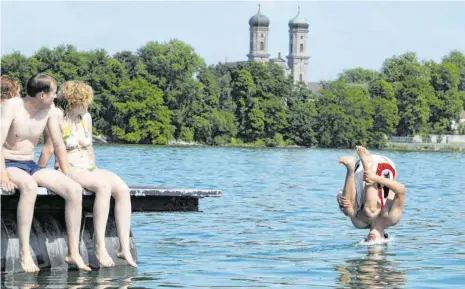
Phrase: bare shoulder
pixel 56 112
pixel 12 103
pixel 87 117
pixel 10 108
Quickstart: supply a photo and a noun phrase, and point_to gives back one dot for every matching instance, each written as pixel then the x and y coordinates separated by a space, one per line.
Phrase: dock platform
pixel 48 233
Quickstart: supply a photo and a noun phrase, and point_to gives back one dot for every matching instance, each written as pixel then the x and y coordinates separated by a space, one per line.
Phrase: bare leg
pixel 371 207
pixel 349 193
pixel 371 196
pixel 120 193
pixel 102 190
pixel 72 193
pixel 28 193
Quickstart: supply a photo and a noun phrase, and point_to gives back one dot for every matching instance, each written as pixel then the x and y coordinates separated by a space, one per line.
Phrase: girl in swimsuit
pixel 76 126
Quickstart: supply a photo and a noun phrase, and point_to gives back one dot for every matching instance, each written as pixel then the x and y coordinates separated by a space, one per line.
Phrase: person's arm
pixel 395 213
pixel 59 147
pixel 7 115
pixel 88 122
pixel 349 211
pixel 47 150
pixel 346 205
pixel 395 186
pixel 396 210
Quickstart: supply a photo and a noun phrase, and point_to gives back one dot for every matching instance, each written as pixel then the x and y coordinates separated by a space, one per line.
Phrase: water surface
pixel 278 224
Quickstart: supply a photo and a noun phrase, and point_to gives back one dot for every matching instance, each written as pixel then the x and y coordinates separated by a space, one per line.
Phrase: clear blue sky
pixel 342 35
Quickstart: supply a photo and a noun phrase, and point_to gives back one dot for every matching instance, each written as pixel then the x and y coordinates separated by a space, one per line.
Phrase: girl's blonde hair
pixel 76 92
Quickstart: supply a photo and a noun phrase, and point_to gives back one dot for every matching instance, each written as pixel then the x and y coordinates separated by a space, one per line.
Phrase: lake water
pixel 278 224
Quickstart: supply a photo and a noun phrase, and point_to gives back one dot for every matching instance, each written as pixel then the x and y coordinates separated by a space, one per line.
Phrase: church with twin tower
pixel 297 59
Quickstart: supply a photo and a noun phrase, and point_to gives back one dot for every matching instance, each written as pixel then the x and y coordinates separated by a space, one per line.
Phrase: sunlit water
pixel 278 224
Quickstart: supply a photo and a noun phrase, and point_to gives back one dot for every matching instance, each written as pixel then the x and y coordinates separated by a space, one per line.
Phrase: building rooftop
pixel 298 21
pixel 259 20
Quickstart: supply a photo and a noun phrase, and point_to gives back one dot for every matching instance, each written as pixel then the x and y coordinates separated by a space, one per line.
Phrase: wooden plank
pixel 174 192
pixel 143 199
pixel 141 191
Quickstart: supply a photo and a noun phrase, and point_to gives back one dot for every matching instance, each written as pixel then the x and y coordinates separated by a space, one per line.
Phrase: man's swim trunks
pixel 29 167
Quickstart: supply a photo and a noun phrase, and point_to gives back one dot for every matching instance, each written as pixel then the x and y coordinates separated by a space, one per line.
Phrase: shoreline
pixel 439 147
pixel 411 147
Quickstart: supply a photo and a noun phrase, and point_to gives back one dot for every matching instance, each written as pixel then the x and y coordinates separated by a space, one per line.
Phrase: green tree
pixel 359 75
pixel 140 115
pixel 104 74
pixel 345 116
pixel 445 111
pixel 385 111
pixel 18 66
pixel 134 65
pixel 413 91
pixel 458 58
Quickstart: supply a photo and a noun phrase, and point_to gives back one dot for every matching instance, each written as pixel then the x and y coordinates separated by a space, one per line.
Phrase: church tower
pixel 258 50
pixel 297 59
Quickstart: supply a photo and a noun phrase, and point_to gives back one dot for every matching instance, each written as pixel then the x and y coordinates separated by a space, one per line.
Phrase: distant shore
pixel 450 147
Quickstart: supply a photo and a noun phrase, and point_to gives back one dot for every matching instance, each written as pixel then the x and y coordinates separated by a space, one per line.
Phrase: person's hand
pixel 369 177
pixel 6 184
pixel 343 202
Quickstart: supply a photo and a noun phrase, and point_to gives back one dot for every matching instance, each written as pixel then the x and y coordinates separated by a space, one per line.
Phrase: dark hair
pixel 40 82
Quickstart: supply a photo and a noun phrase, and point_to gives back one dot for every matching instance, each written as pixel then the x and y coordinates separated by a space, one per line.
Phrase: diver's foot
pixel 126 256
pixel 27 263
pixel 78 261
pixel 348 161
pixel 104 259
pixel 365 157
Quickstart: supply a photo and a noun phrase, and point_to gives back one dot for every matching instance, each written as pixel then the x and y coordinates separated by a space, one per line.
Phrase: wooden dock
pixel 48 232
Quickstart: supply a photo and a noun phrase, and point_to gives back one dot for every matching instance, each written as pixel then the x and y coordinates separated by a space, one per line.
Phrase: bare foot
pixel 77 260
pixel 27 263
pixel 126 256
pixel 348 161
pixel 103 258
pixel 365 158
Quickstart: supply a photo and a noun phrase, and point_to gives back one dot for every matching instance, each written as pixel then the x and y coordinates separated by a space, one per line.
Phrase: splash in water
pixel 384 241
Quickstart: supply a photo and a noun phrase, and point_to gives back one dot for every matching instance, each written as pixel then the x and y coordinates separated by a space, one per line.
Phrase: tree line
pixel 165 91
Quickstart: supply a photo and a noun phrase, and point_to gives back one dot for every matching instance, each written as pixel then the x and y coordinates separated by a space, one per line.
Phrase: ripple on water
pixel 278 224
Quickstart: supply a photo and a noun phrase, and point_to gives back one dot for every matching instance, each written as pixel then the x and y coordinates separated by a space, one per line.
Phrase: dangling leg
pixel 120 192
pixel 371 206
pixel 347 198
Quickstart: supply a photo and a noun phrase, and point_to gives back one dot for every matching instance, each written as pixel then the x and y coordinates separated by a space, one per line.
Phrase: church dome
pixel 259 20
pixel 298 21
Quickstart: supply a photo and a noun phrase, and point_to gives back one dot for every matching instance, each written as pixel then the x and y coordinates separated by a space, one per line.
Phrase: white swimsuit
pixel 382 166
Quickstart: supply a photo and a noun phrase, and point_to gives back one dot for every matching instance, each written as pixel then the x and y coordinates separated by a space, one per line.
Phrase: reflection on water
pixel 118 277
pixel 372 271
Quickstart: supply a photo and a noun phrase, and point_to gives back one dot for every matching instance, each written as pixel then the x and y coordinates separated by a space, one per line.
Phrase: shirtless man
pixel 23 121
pixel 371 197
